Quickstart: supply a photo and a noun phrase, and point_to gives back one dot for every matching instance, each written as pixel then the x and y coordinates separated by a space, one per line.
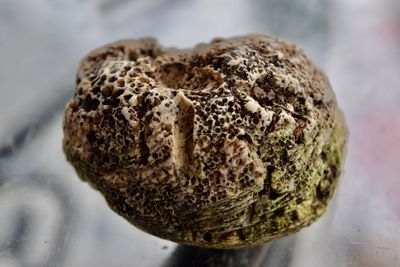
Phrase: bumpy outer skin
pixel 230 144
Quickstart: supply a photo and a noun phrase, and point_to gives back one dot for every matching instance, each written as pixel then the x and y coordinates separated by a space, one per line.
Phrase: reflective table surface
pixel 48 217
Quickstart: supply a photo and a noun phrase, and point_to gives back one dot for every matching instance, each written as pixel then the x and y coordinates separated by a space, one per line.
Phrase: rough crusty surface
pixel 229 144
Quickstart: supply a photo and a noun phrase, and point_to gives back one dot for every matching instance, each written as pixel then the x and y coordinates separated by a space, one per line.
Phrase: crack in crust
pixel 229 144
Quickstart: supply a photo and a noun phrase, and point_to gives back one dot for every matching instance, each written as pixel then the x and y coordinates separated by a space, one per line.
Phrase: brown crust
pixel 229 144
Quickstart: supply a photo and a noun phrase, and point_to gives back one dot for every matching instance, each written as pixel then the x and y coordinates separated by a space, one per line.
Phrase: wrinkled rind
pixel 230 144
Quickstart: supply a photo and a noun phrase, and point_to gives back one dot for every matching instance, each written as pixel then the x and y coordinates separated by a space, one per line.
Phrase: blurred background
pixel 49 218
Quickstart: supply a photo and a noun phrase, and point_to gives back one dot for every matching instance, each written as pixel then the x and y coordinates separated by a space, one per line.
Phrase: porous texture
pixel 230 144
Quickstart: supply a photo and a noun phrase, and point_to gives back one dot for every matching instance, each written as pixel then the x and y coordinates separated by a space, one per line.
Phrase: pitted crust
pixel 229 144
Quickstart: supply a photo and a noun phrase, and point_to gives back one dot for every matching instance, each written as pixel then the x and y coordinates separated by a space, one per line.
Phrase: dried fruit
pixel 230 144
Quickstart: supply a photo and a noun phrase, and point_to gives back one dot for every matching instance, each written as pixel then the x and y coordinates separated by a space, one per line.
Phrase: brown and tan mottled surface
pixel 230 144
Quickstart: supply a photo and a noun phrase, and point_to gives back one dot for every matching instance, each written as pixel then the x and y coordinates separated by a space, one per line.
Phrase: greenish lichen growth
pixel 231 144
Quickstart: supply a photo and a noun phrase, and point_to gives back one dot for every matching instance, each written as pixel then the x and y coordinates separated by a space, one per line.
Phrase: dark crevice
pixel 273 195
pixel 144 148
pixel 275 119
pixel 250 213
pixel 89 103
pixel 207 237
pixel 279 212
pixel 241 235
pixel 294 216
